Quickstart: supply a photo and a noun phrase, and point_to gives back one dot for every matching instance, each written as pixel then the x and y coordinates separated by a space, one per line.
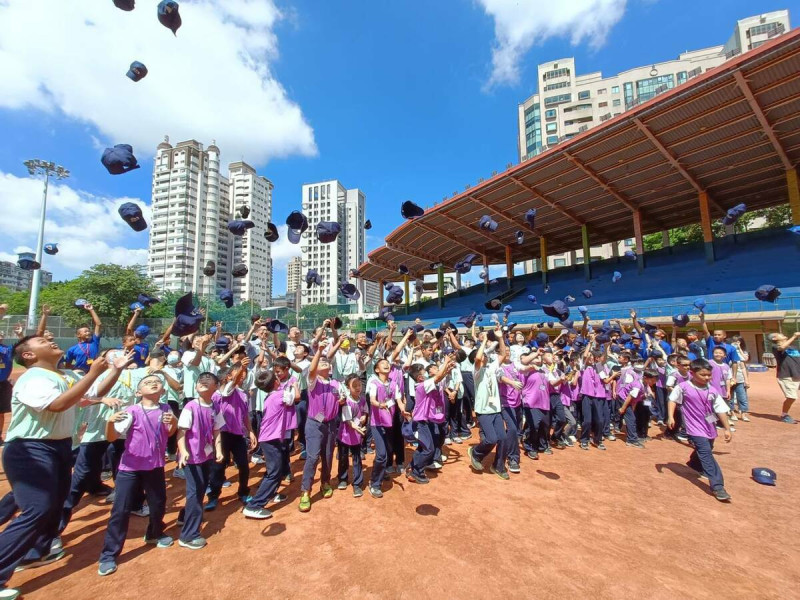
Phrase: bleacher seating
pixel 672 279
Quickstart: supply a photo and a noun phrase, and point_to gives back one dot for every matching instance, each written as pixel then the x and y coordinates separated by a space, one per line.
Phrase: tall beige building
pixel 294 274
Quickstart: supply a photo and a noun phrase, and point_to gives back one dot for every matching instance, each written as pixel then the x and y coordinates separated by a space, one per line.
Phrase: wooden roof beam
pixel 564 211
pixel 410 252
pixel 476 230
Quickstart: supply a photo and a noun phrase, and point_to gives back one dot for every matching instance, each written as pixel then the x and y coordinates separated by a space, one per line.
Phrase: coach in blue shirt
pixel 81 356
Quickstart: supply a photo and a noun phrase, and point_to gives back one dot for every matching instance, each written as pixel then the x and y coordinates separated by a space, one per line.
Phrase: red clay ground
pixel 624 523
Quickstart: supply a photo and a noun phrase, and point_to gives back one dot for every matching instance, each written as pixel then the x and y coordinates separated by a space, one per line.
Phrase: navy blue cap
pixel 132 214
pixel 169 16
pixel 409 210
pixel 467 320
pixel 568 299
pixel 767 293
pixel 734 214
pixel 486 222
pixel 625 338
pixel 532 298
pixel 696 348
pixel 367 224
pixel 51 249
pixel 271 234
pixel 630 254
pixel 142 331
pixel 146 300
pixel 520 235
pixel 602 338
pixel 557 309
pixel 680 320
pixel 700 304
pixel 507 309
pixel 389 286
pixel 328 231
pixel 227 298
pixel 137 306
pixel 616 277
pixel 764 476
pixel 81 302
pixel 276 326
pixel 187 318
pixel 119 159
pixel 126 5
pixel 297 224
pixel 493 304
pixel 371 334
pixel 542 338
pixel 239 270
pixel 244 211
pixel 349 291
pixel 386 314
pixel 550 324
pixel 210 269
pixel 240 227
pixel 583 310
pixel 402 269
pixel 137 71
pixel 222 344
pixel 355 273
pixel 313 278
pixel 587 293
pixel 462 267
pixel 530 217
pixel 568 323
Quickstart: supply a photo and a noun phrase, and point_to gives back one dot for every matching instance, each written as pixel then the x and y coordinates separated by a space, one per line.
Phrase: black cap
pixel 328 231
pixel 168 15
pixel 227 298
pixel 297 224
pixel 51 249
pixel 355 273
pixel 402 269
pixel 187 318
pixel 349 291
pixel 244 211
pixel 276 326
pixel 271 234
pixel 132 214
pixel 367 224
pixel 210 269
pixel 520 237
pixel 493 304
pixel 680 320
pixel 386 314
pixel 147 301
pixel 126 5
pixel 240 227
pixel 557 309
pixel 27 262
pixel 239 270
pixel 767 293
pixel 312 278
pixel 137 71
pixel 409 210
pixel 119 159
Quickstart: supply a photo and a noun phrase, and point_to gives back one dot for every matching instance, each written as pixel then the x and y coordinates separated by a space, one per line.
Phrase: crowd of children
pixel 254 398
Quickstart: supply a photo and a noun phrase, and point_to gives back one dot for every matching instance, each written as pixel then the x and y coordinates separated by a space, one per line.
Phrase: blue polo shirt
pixel 81 355
pixel 6 362
pixel 731 355
pixel 140 353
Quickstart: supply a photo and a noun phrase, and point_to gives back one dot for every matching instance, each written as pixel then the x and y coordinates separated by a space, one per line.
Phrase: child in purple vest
pixel 721 375
pixel 536 407
pixel 680 375
pixel 271 439
pixel 324 400
pixel 236 435
pixel 592 393
pixel 147 425
pixel 425 392
pixel 569 392
pixel 437 418
pixel 351 433
pixel 281 367
pixel 384 396
pixel 199 444
pixel 702 406
pixel 510 388
pixel 631 395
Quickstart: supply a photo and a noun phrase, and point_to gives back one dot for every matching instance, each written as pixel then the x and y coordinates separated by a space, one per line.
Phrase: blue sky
pixel 405 100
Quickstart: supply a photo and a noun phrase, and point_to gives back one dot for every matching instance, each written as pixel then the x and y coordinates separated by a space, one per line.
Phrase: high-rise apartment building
pixel 568 104
pixel 294 274
pixel 19 280
pixel 331 201
pixel 250 189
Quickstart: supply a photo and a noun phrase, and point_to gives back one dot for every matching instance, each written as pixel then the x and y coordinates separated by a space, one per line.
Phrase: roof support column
pixel 406 291
pixel 458 283
pixel 440 286
pixel 380 293
pixel 705 222
pixel 637 234
pixel 587 253
pixel 486 272
pixel 543 258
pixel 794 195
pixel 665 241
pixel 509 268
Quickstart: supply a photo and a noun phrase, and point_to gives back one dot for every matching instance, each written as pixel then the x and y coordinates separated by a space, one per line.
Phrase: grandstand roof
pixel 731 132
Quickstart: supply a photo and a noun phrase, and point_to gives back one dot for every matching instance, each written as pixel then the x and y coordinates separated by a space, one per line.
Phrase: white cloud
pixel 87 228
pixel 520 25
pixel 212 81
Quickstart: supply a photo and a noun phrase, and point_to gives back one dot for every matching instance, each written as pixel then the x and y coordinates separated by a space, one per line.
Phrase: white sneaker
pixel 458 440
pixel 572 438
pixel 733 417
pixel 256 513
pixel 9 594
pixel 448 441
pixel 55 546
pixel 257 460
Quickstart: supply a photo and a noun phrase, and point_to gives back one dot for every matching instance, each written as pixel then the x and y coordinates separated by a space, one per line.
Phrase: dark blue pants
pixel 630 425
pixel 702 459
pixel 539 420
pixel 320 439
pixel 39 474
pixel 438 433
pixel 468 401
pixel 255 424
pixel 85 477
pixel 660 405
pixel 301 410
pixel 236 446
pixel 557 417
pixel 383 448
pixel 455 417
pixel 397 445
pixel 642 414
pixel 172 441
pixel 590 425
pixel 605 415
pixel 197 477
pixel 8 507
pixel 129 488
pixel 423 455
pixel 355 453
pixel 272 452
pixel 512 417
pixel 493 435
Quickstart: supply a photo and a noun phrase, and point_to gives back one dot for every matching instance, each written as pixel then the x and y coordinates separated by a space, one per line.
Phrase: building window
pixel 578 260
pixel 550 100
pixel 550 113
pixel 602 91
pixel 552 140
pixel 628 94
pixel 555 73
pixel 682 77
pixel 560 262
pixel 584 95
pixel 552 127
pixel 648 88
pixel 603 104
pixel 555 86
pixel 617 102
pixel 615 89
pixel 629 242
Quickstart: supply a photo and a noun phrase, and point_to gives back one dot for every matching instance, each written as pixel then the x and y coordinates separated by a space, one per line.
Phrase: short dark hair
pixel 265 381
pixel 206 375
pixel 700 364
pixel 350 378
pixel 282 361
pixel 415 371
pixel 651 373
pixel 20 347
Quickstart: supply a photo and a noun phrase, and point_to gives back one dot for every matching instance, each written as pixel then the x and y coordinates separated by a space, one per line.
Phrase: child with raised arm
pixel 351 433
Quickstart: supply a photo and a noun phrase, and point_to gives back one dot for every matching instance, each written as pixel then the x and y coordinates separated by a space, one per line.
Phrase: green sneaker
pixel 474 461
pixel 500 474
pixel 327 491
pixel 305 502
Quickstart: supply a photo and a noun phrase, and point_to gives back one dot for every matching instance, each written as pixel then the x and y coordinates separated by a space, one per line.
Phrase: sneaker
pixel 179 521
pixel 106 475
pixel 56 545
pixel 721 495
pixel 178 474
pixel 40 562
pixel 401 468
pixel 370 450
pixel 245 499
pixel 533 455
pixel 197 543
pixel 660 422
pixel 257 460
pixel 211 504
pixel 568 443
pixel 745 418
pixel 458 440
pixel 417 479
pixel 142 512
pixel 327 491
pixel 635 444
pixel 733 417
pixel 500 474
pixel 226 484
pixel 256 513
pixel 375 492
pixel 105 568
pixel 110 498
pixel 305 502
pixel 601 446
pixel 303 455
pixel 732 428
pixel 279 498
pixel 289 478
pixel 391 470
pixel 476 464
pixel 572 438
pixel 434 466
pixel 357 492
pixel 342 485
pixel 448 441
pixel 103 492
pixel 611 438
pixel 513 466
pixel 160 542
pixel 584 445
pixel 682 437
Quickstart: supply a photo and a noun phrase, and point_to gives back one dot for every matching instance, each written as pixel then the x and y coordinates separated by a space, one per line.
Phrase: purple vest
pixel 323 400
pixel 378 417
pixel 233 409
pixel 200 436
pixel 697 404
pixel 535 392
pixel 273 420
pixel 146 441
pixel 591 384
pixel 569 393
pixel 348 435
pixel 625 389
pixel 437 412
pixel 719 374
pixel 422 402
pixel 508 395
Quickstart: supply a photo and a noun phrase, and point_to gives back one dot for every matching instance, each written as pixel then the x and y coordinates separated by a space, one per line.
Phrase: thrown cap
pixel 734 214
pixel 486 222
pixel 137 71
pixel 367 224
pixel 493 304
pixel 119 159
pixel 328 231
pixel 764 476
pixel 467 320
pixel 616 277
pixel 681 320
pixel 126 5
pixel 51 249
pixel 532 298
pixel 271 234
pixel 520 237
pixel 240 227
pixel 146 300
pixel 587 293
pixel 132 214
pixel 210 269
pixel 168 15
pixel 402 269
pixel 297 224
pixel 142 331
pixel 350 291
pixel 767 293
pixel 409 210
pixel 530 217
pixel 239 270
pixel 557 309
pixel 700 304
pixel 386 314
pixel 569 299
pixel 276 326
pixel 630 254
pixel 187 317
pixel 244 211
pixel 313 278
pixel 227 298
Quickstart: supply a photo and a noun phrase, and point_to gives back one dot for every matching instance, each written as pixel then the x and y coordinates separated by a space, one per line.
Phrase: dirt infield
pixel 624 523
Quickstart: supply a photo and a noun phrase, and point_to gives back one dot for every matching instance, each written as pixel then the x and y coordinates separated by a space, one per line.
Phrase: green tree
pixel 17 301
